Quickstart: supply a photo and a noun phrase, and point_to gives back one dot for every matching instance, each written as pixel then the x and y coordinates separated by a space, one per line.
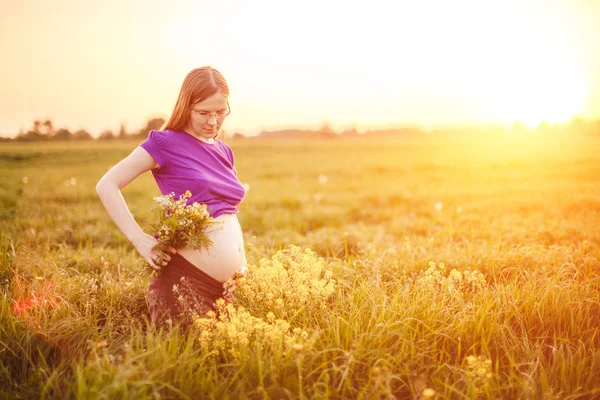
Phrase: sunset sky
pixel 95 64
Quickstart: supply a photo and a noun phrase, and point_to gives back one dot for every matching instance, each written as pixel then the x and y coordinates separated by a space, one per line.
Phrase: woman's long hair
pixel 198 85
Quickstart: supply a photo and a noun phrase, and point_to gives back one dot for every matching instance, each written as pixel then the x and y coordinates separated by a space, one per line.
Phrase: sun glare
pixel 389 64
pixel 540 92
pixel 536 72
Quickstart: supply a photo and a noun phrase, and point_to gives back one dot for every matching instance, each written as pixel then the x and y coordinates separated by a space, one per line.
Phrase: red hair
pixel 198 85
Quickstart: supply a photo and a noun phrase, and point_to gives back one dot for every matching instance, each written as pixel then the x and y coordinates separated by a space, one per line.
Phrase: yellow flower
pixel 455 282
pixel 478 371
pixel 298 347
pixel 292 281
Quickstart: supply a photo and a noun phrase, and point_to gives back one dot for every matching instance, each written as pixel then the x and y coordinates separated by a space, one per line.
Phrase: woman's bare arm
pixel 110 185
pixel 109 190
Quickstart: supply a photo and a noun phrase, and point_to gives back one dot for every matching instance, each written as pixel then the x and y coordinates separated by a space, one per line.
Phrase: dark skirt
pixel 181 291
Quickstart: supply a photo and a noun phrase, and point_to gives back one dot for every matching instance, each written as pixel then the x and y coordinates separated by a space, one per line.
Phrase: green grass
pixel 523 212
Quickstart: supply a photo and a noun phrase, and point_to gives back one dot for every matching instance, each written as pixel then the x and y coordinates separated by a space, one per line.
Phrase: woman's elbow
pixel 100 188
pixel 103 184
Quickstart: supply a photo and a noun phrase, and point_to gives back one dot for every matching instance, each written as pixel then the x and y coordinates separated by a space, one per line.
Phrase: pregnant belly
pixel 226 255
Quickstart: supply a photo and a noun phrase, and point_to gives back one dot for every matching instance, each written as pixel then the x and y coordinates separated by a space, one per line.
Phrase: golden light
pixel 537 89
pixel 543 72
pixel 295 65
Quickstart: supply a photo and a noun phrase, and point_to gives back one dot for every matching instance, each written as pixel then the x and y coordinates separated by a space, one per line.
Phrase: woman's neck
pixel 209 140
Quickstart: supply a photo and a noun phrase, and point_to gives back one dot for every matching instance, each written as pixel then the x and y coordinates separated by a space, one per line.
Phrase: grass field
pixel 410 269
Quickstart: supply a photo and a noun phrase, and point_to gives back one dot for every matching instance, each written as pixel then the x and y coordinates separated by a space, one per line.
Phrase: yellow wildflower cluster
pixel 180 225
pixel 233 331
pixel 478 372
pixel 454 281
pixel 291 281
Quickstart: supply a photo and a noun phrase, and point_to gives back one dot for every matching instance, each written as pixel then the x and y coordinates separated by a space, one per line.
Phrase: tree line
pixel 577 126
pixel 44 130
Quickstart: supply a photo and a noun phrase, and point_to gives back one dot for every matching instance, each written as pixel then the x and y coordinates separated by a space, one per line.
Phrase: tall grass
pixel 425 268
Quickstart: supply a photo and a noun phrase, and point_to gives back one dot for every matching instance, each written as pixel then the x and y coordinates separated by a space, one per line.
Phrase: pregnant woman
pixel 186 155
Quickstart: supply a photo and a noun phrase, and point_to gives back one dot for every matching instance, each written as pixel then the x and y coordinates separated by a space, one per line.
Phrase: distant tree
pixel 36 126
pixel 154 123
pixel 106 135
pixel 543 128
pixel 31 136
pixel 36 133
pixel 122 132
pixel 82 134
pixel 62 134
pixel 350 132
pixel 238 135
pixel 48 127
pixel 326 131
pixel 579 126
pixel 20 136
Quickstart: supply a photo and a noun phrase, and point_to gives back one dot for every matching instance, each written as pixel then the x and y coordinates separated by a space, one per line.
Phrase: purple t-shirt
pixel 187 163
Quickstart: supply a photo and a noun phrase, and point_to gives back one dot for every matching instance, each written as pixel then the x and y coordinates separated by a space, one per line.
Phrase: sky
pixel 96 64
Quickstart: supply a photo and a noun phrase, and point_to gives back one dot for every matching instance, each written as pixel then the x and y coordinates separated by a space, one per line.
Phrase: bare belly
pixel 226 255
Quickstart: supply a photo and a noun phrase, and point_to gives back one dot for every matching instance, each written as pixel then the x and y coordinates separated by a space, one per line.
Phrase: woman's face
pixel 206 117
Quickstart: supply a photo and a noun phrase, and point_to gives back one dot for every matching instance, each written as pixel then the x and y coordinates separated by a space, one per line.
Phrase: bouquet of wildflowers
pixel 180 225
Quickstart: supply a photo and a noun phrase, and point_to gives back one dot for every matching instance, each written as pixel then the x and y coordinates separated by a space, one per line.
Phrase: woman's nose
pixel 212 120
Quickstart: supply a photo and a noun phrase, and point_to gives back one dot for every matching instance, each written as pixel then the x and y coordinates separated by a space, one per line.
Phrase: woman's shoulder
pixel 223 144
pixel 165 137
pixel 161 134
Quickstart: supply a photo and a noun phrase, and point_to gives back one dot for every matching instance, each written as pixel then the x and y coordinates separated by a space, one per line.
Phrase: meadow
pixel 414 268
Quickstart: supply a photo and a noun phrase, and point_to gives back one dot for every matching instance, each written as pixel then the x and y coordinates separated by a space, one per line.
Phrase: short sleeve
pixel 153 146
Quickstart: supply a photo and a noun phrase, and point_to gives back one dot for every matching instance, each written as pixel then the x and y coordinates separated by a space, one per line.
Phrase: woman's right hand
pixel 144 245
